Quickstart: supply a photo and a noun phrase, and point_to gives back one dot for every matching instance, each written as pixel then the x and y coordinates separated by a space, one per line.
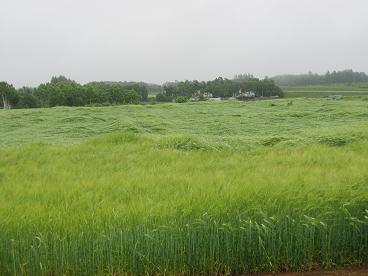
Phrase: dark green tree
pixel 8 95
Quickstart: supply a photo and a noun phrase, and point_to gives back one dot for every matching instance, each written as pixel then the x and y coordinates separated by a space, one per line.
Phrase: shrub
pixel 161 97
pixel 181 99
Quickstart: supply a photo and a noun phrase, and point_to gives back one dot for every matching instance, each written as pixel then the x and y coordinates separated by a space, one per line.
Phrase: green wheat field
pixel 318 91
pixel 196 188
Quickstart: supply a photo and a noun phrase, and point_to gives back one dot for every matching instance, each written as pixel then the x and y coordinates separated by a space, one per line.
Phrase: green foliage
pixel 26 98
pixel 8 96
pixel 161 97
pixel 154 88
pixel 27 101
pixel 118 95
pixel 139 87
pixel 337 88
pixel 60 79
pixel 181 99
pixel 241 125
pixel 64 92
pixel 118 204
pixel 221 87
pixel 61 91
pixel 204 188
pixel 318 91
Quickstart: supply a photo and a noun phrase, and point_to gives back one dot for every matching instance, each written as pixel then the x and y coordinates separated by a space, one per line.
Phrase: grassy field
pixel 234 124
pixel 196 188
pixel 317 91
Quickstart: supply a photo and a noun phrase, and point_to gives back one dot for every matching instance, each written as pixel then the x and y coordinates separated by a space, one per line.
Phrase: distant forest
pixel 220 88
pixel 345 76
pixel 61 91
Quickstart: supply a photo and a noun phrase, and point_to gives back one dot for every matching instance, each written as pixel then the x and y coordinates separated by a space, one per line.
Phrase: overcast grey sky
pixel 165 40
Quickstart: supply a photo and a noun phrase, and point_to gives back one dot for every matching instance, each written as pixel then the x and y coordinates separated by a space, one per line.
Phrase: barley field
pixel 319 91
pixel 197 188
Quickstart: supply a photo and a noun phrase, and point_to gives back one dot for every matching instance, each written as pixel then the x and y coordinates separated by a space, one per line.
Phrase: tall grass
pixel 126 203
pixel 352 89
pixel 240 125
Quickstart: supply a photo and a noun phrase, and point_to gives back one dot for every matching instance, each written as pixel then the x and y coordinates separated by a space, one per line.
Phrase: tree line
pixel 345 76
pixel 220 88
pixel 61 91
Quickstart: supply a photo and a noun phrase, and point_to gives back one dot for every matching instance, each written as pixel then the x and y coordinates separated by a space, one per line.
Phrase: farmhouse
pixel 198 95
pixel 246 95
